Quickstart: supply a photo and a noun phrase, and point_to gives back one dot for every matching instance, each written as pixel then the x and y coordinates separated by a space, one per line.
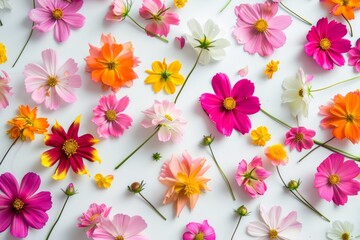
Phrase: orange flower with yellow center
pixel 343 7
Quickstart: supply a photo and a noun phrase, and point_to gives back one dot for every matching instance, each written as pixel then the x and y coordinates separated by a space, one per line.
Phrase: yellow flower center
pixel 261 25
pixel 299 137
pixel 345 2
pixel 52 81
pixel 325 44
pixel 334 179
pixel 119 238
pixel 168 117
pixel 69 147
pixel 301 93
pixel 199 236
pixel 57 14
pixel 180 3
pixel 349 118
pixel 229 103
pixel 345 236
pixel 273 234
pixel 110 115
pixel 18 204
pixel 191 188
pixel 94 217
pixel 111 65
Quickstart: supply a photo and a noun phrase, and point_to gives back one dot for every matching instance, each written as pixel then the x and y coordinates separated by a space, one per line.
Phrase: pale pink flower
pixel 300 138
pixel 251 176
pixel 243 71
pixel 5 90
pixel 49 84
pixel 118 10
pixel 167 117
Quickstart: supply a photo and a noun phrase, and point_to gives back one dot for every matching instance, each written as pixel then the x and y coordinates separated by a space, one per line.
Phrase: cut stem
pixel 67 198
pixel 295 14
pixel 237 225
pixel 332 85
pixel 319 213
pixel 351 30
pixel 16 139
pixel 1 24
pixel 227 4
pixel 150 33
pixel 153 207
pixel 314 149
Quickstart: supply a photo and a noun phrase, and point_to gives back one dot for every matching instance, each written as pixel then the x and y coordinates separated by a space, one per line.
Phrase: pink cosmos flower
pixel 228 107
pixel 167 117
pixel 259 29
pixel 300 138
pixel 118 10
pixel 5 90
pixel 92 217
pixel 20 207
pixel 121 227
pixel 49 84
pixel 354 56
pixel 59 14
pixel 160 16
pixel 199 231
pixel 109 118
pixel 335 179
pixel 251 176
pixel 326 44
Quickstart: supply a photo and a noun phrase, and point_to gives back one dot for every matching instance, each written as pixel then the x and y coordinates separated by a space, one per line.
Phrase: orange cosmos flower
pixel 343 7
pixel 112 63
pixel 343 116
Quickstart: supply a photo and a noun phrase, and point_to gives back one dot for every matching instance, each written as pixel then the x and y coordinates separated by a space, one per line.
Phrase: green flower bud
pixel 293 185
pixel 242 211
pixel 207 140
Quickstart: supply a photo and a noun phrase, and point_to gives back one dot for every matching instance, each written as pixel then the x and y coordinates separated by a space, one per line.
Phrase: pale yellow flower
pixel 103 182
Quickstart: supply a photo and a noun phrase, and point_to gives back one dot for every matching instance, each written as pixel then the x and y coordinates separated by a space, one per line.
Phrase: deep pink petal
pixel 242 122
pixel 221 85
pixel 29 185
pixel 35 218
pixel 19 228
pixel 41 201
pixel 9 185
pixel 6 217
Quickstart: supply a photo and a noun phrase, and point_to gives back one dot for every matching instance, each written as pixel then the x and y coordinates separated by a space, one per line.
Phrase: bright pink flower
pixel 59 14
pixel 5 90
pixel 197 230
pixel 251 176
pixel 20 207
pixel 326 44
pixel 335 179
pixel 228 107
pixel 160 17
pixel 49 84
pixel 92 217
pixel 259 29
pixel 109 118
pixel 354 58
pixel 300 138
pixel 121 227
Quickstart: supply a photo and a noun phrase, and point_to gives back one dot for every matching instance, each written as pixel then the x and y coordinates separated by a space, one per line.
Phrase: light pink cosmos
pixel 120 227
pixel 167 117
pixel 251 176
pixel 109 118
pixel 5 90
pixel 61 15
pixel 20 206
pixel 50 84
pixel 336 179
pixel 118 10
pixel 354 56
pixel 300 138
pixel 197 230
pixel 259 29
pixel 160 16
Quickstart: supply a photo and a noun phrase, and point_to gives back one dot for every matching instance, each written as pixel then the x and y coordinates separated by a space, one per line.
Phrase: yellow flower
pixel 3 57
pixel 180 3
pixel 277 154
pixel 271 67
pixel 260 136
pixel 162 76
pixel 103 182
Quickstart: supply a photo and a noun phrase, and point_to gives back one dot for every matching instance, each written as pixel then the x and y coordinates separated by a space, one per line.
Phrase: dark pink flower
pixel 354 58
pixel 228 107
pixel 199 231
pixel 20 207
pixel 300 138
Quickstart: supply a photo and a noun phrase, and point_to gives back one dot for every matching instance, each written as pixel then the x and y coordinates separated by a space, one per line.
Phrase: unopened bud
pixel 242 211
pixel 207 140
pixel 293 185
pixel 136 187
pixel 70 190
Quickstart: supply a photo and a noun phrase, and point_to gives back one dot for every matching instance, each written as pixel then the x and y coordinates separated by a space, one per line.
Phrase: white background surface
pixel 215 205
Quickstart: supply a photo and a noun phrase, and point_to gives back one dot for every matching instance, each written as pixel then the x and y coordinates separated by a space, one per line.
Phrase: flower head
pixel 118 10
pixel 70 190
pixel 336 179
pixel 271 68
pixel 61 15
pixel 208 40
pixel 354 56
pixel 109 118
pixel 184 179
pixel 50 84
pixel 167 117
pixel 69 149
pixel 342 7
pixel 260 136
pixel 5 90
pixel 326 44
pixel 3 56
pixel 180 3
pixel 229 106
pixel 103 182
pixel 277 154
pixel 202 231
pixel 300 138
pixel 259 29
pixel 21 207
pixel 340 231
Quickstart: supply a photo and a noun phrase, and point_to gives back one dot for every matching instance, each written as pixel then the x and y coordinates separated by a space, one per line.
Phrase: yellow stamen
pixel 111 65
pixel 229 103
pixel 299 137
pixel 273 234
pixel 57 14
pixel 334 179
pixel 345 236
pixel 69 147
pixel 110 115
pixel 349 118
pixel 199 236
pixel 18 204
pixel 325 44
pixel 301 93
pixel 168 117
pixel 52 81
pixel 261 25
pixel 119 238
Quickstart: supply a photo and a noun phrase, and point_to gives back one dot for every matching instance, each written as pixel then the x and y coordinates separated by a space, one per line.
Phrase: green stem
pixel 67 198
pixel 153 207
pixel 275 119
pixel 150 33
pixel 319 213
pixel 227 4
pixel 351 30
pixel 187 77
pixel 222 174
pixel 1 24
pixel 133 152
pixel 237 225
pixel 315 149
pixel 295 14
pixel 16 139
pixel 332 85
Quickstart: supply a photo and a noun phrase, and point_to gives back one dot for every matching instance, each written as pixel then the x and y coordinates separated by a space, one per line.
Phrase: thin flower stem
pixel 153 207
pixel 295 14
pixel 67 198
pixel 332 85
pixel 314 149
pixel 222 174
pixel 319 213
pixel 133 152
pixel 187 77
pixel 351 30
pixel 227 4
pixel 275 119
pixel 1 24
pixel 16 139
pixel 150 33
pixel 237 225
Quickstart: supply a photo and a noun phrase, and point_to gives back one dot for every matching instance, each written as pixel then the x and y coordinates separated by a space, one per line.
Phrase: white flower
pixel 340 231
pixel 297 93
pixel 208 40
pixel 4 4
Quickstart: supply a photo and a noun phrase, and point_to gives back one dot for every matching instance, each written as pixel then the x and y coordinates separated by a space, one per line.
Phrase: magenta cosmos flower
pixel 20 206
pixel 5 90
pixel 259 29
pixel 354 56
pixel 50 84
pixel 326 44
pixel 335 179
pixel 109 118
pixel 60 15
pixel 228 107
pixel 300 138
pixel 160 16
pixel 197 231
